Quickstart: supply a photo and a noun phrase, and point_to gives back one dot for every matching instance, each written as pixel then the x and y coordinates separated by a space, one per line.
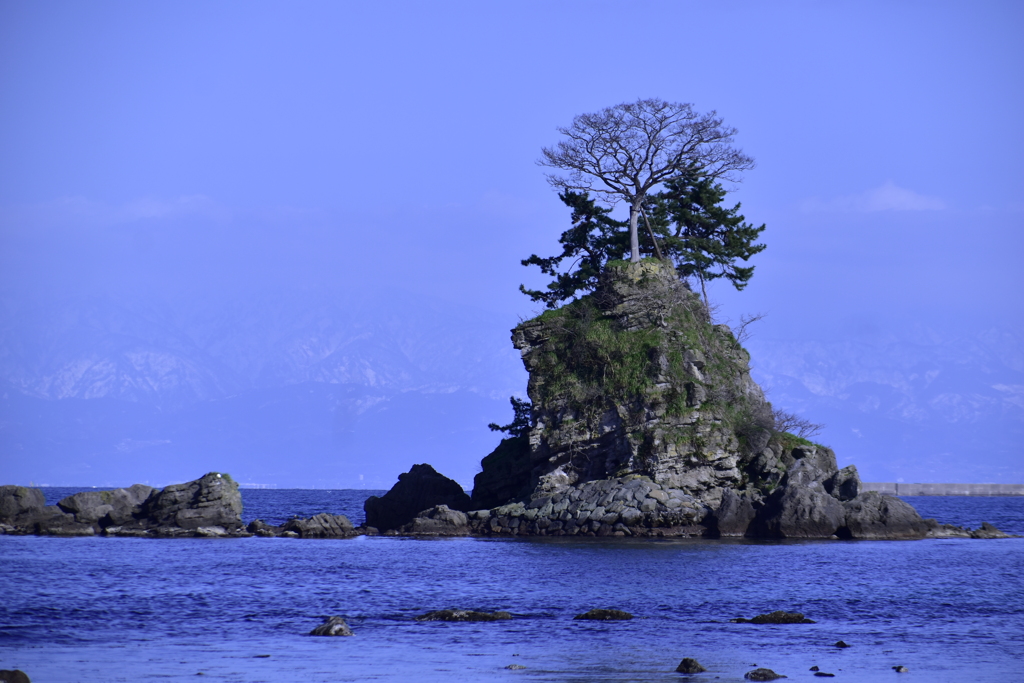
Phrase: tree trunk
pixel 634 239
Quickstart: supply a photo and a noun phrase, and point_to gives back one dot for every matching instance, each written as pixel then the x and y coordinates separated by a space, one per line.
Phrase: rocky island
pixel 644 421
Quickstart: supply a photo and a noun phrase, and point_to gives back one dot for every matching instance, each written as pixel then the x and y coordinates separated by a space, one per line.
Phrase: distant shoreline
pixel 902 489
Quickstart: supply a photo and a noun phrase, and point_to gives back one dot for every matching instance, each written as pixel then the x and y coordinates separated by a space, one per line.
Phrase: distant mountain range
pixel 305 389
pixel 918 405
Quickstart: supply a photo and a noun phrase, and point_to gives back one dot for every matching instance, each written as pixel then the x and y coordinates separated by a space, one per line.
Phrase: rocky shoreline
pixel 211 507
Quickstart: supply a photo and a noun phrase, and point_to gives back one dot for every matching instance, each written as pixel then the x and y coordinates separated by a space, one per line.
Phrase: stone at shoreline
pixel 762 674
pixel 776 617
pixel 986 530
pixel 873 515
pixel 438 521
pixel 801 507
pixel 107 508
pixel 463 615
pixel 690 666
pixel 210 506
pixel 18 500
pixel 322 525
pixel 735 514
pixel 421 488
pixel 334 626
pixel 211 500
pixel 605 615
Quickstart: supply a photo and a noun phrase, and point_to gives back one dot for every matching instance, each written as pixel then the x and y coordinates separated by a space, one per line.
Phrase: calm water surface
pixel 98 609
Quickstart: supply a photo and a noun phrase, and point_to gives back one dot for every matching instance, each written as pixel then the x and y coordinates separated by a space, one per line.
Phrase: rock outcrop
pixel 645 421
pixel 210 506
pixel 417 490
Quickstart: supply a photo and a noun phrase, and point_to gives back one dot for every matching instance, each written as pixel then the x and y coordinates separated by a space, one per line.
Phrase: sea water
pixel 125 609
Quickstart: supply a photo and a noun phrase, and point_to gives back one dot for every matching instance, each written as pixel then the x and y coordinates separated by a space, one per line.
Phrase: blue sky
pixel 156 148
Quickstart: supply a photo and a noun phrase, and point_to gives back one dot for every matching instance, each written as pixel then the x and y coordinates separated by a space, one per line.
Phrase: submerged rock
pixel 841 643
pixel 463 615
pixel 776 617
pixel 419 489
pixel 334 626
pixel 605 615
pixel 762 674
pixel 690 666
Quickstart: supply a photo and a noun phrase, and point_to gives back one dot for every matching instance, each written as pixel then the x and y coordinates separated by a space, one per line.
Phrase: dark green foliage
pixel 593 240
pixel 520 424
pixel 702 238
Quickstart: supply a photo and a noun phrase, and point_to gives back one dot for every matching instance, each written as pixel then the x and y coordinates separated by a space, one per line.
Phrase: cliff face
pixel 632 382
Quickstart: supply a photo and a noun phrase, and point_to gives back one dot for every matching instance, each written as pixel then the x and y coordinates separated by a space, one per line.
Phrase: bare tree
pixel 623 152
pixel 741 332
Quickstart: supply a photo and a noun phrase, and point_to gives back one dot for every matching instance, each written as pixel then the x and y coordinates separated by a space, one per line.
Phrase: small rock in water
pixel 463 615
pixel 689 665
pixel 900 669
pixel 515 666
pixel 762 674
pixel 841 643
pixel 605 615
pixel 335 626
pixel 776 617
pixel 814 668
pixel 822 674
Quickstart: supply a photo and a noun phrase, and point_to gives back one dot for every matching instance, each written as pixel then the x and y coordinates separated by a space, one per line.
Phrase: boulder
pixel 604 615
pixel 258 527
pixel 19 500
pixel 335 626
pixel 734 515
pixel 776 617
pixel 87 507
pixel 212 500
pixel 762 674
pixel 801 512
pixel 463 615
pixel 986 530
pixel 420 488
pixel 439 520
pixel 108 508
pixel 876 516
pixel 322 525
pixel 690 666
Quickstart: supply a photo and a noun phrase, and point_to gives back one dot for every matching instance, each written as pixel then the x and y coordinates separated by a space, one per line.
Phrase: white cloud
pixel 887 197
